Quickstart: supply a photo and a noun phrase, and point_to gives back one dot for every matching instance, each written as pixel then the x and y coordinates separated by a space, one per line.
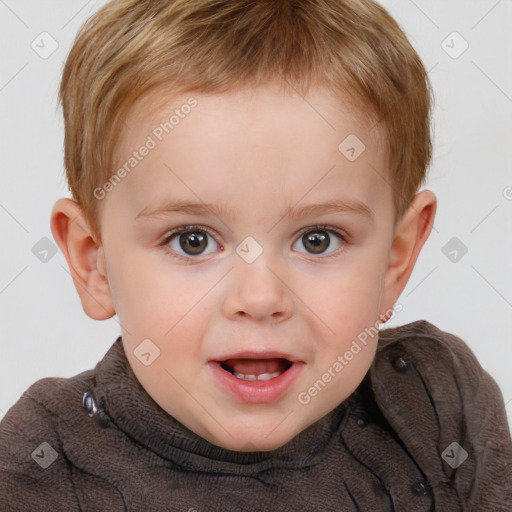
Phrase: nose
pixel 259 292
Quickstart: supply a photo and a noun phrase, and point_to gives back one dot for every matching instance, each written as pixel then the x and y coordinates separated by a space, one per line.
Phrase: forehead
pixel 263 140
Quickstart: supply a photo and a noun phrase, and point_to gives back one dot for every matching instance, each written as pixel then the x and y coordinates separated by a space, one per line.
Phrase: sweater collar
pixel 132 410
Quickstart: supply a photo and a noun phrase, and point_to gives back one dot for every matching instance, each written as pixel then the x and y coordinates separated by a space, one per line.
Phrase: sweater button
pixel 421 488
pixel 362 422
pixel 93 411
pixel 400 364
pixel 89 404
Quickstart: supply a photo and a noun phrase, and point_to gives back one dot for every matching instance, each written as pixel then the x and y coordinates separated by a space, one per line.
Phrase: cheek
pixel 142 289
pixel 349 298
pixel 155 300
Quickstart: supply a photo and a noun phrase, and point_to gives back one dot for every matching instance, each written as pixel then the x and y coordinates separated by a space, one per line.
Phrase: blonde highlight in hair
pixel 131 49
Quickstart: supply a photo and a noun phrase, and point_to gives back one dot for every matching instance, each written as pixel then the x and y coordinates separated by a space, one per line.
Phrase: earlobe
pixel 411 233
pixel 85 258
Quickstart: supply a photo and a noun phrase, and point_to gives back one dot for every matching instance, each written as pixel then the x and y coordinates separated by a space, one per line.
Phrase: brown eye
pixel 189 242
pixel 318 241
pixel 193 242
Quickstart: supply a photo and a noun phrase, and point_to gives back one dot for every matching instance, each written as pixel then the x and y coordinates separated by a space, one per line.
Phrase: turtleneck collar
pixel 132 410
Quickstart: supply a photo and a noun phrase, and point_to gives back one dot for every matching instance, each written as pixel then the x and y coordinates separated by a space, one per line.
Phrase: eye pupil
pixel 193 243
pixel 317 239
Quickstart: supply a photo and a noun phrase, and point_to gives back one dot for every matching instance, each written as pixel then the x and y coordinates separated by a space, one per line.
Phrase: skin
pixel 254 152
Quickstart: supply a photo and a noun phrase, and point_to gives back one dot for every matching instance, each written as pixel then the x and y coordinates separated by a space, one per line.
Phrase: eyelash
pixel 192 228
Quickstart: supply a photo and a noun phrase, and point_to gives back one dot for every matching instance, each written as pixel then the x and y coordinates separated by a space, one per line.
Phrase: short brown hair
pixel 131 48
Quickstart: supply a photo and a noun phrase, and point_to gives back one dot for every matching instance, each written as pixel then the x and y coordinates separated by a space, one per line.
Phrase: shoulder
pixel 447 410
pixel 429 348
pixel 432 366
pixel 45 408
pixel 47 402
pixel 33 468
pixel 440 361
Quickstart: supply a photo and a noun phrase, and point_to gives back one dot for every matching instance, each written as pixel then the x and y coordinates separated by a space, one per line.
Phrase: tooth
pixel 263 376
pixel 245 377
pixel 268 376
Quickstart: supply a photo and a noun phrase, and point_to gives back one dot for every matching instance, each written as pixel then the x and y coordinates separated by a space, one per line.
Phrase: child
pixel 245 181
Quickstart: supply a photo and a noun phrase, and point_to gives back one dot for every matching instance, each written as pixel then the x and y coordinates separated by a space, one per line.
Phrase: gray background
pixel 44 331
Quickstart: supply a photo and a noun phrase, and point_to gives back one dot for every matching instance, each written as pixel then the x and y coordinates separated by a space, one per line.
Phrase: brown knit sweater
pixel 98 442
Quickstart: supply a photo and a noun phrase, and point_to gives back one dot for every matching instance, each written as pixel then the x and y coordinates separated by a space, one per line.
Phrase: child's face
pixel 308 295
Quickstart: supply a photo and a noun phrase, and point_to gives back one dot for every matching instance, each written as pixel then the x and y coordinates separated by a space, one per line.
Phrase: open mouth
pixel 256 378
pixel 256 369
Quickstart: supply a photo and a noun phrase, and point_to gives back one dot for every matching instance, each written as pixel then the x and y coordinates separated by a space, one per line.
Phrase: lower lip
pixel 256 391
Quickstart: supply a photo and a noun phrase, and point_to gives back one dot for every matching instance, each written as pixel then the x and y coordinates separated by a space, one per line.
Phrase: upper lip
pixel 253 354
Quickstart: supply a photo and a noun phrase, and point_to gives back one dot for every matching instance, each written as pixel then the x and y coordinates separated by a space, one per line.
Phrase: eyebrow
pixel 291 212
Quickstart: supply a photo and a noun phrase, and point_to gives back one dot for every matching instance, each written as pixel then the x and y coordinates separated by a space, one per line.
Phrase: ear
pixel 411 232
pixel 85 258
